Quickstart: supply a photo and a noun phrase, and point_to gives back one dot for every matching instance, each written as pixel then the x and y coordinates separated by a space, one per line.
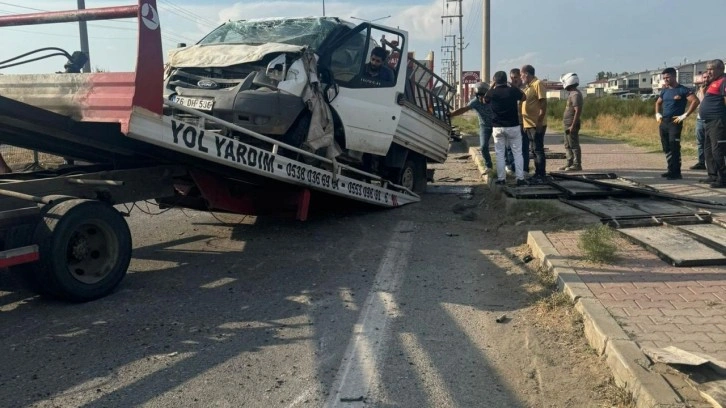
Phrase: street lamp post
pixel 323 8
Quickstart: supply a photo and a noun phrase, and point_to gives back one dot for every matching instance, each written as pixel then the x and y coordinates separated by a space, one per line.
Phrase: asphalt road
pixel 355 307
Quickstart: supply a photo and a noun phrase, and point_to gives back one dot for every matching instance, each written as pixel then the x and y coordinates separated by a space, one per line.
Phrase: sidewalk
pixel 639 301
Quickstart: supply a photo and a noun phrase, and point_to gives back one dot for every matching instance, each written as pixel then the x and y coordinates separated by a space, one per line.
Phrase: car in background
pixel 648 97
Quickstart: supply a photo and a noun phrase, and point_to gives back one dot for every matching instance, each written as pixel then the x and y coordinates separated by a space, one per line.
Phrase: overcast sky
pixel 555 36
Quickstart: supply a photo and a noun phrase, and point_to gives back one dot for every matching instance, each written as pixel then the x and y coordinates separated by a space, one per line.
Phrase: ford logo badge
pixel 207 84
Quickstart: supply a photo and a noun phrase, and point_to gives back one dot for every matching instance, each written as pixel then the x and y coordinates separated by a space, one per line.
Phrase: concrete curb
pixel 475 153
pixel 628 363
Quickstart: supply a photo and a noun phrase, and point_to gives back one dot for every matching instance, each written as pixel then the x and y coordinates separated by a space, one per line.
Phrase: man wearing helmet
pixel 571 121
pixel 484 111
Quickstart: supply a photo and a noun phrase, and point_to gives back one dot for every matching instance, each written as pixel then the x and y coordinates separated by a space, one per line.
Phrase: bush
pixel 598 243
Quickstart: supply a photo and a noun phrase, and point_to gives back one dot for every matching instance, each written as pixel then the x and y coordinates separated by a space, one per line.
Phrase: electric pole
pixel 451 49
pixel 459 73
pixel 83 31
pixel 485 55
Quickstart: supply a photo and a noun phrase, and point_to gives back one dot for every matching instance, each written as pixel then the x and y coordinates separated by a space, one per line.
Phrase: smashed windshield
pixel 299 31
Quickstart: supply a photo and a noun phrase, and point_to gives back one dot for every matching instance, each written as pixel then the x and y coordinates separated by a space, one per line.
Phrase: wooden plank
pixel 608 208
pixel 659 207
pixel 674 246
pixel 710 234
pixel 532 192
pixel 581 189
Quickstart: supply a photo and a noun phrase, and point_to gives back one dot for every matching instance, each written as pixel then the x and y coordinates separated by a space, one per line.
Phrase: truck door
pixel 366 100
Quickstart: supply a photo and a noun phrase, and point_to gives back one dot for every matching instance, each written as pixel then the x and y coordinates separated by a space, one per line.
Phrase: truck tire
pixel 413 174
pixel 85 250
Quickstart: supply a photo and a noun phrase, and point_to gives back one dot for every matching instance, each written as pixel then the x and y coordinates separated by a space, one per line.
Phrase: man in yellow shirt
pixel 534 120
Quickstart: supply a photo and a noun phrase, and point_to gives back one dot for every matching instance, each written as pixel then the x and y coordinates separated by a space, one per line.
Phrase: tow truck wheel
pixel 85 249
pixel 413 174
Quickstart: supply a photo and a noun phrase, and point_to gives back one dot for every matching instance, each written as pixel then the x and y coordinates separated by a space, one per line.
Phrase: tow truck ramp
pixel 310 171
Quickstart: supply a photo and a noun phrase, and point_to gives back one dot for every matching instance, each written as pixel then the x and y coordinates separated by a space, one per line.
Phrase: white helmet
pixel 569 79
pixel 481 88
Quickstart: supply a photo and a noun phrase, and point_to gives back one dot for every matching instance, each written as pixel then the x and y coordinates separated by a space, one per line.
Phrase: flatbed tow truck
pixel 59 230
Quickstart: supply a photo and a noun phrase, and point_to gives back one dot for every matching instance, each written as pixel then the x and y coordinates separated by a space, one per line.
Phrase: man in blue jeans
pixel 534 120
pixel 484 111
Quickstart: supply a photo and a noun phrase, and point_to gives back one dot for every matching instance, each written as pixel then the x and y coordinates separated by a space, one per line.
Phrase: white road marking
pixel 360 369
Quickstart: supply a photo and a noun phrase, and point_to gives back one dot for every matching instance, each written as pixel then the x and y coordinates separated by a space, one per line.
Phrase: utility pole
pixel 485 55
pixel 451 49
pixel 460 71
pixel 83 31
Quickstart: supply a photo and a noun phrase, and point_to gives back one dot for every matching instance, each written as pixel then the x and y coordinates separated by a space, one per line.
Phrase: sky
pixel 555 36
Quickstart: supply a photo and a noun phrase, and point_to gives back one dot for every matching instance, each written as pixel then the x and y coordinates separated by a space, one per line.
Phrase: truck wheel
pixel 413 174
pixel 85 249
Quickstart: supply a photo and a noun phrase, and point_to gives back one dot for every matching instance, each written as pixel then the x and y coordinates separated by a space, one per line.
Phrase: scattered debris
pixel 450 179
pixel 502 319
pixel 357 399
pixel 460 208
pixel 518 223
pixel 527 259
pixel 465 157
pixel 469 216
pixel 449 234
pixel 705 373
pixel 459 190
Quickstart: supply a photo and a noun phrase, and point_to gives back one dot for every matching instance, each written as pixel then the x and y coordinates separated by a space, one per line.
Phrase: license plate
pixel 194 103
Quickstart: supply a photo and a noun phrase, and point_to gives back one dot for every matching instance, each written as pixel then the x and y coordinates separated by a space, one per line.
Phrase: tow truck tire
pixel 413 174
pixel 85 250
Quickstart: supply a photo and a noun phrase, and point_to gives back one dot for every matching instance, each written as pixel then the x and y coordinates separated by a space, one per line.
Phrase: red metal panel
pixel 111 97
pixel 215 191
pixel 149 60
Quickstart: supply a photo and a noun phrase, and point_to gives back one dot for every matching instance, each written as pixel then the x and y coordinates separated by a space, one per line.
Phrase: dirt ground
pixel 561 369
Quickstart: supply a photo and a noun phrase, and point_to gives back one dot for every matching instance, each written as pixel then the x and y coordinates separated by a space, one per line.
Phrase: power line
pixel 179 11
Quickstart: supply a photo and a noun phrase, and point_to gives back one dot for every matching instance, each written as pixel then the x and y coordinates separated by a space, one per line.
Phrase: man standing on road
pixel 505 122
pixel 571 121
pixel 700 130
pixel 515 80
pixel 534 119
pixel 672 100
pixel 484 111
pixel 713 113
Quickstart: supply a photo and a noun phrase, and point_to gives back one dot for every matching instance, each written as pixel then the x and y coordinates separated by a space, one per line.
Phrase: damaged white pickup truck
pixel 306 82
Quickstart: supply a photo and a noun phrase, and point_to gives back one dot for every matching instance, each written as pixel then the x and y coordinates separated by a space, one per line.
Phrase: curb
pixel 475 153
pixel 628 363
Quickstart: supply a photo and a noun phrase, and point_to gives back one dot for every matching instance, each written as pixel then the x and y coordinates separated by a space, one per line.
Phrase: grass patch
pixel 466 124
pixel 598 243
pixel 617 396
pixel 555 301
pixel 629 121
pixel 534 210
